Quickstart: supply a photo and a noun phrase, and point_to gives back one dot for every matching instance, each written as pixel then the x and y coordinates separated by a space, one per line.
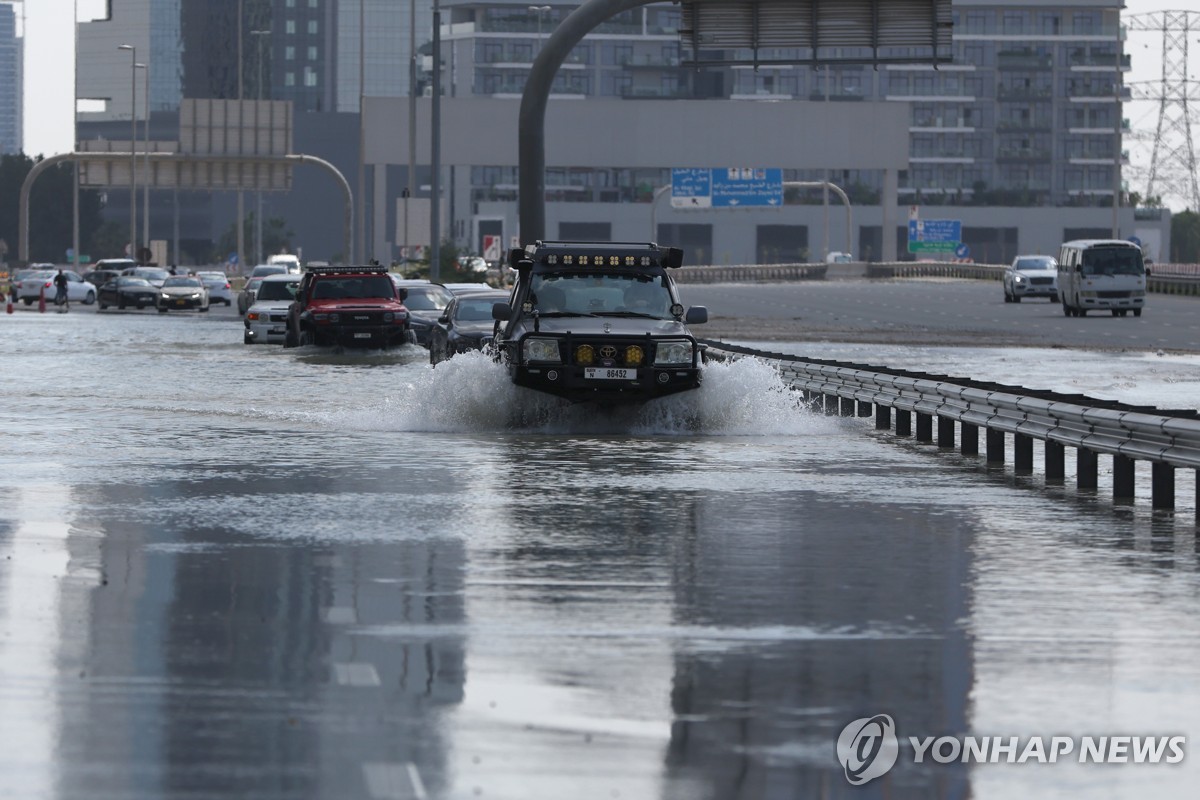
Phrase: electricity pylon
pixel 1173 158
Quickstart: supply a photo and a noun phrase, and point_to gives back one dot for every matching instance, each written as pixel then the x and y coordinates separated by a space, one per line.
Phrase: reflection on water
pixel 294 574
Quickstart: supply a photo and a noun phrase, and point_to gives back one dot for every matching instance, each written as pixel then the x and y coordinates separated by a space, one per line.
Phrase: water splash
pixel 471 394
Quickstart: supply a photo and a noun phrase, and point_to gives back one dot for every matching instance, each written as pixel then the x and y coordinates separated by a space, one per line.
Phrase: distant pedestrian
pixel 60 294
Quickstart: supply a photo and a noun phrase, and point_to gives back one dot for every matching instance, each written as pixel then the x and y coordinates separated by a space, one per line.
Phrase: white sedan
pixel 217 283
pixel 30 288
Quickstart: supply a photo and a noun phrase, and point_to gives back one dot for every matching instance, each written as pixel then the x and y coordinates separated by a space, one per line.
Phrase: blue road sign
pixel 962 251
pixel 727 187
pixel 934 235
pixel 1135 240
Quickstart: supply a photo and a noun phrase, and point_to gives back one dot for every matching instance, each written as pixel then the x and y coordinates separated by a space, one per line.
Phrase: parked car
pixel 425 302
pixel 154 275
pixel 245 297
pixel 1031 276
pixel 182 293
pixel 473 264
pixel 127 290
pixel 219 289
pixel 30 288
pixel 266 320
pixel 118 264
pixel 466 325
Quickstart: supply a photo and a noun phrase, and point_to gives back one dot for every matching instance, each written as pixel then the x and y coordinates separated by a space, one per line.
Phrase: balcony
pixel 650 61
pixel 1024 93
pixel 1084 60
pixel 1022 154
pixel 1023 125
pixel 654 93
pixel 1027 60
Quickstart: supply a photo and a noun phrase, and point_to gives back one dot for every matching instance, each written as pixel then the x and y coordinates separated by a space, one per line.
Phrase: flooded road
pixel 231 571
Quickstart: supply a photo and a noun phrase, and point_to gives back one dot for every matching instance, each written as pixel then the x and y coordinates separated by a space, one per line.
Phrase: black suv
pixel 598 321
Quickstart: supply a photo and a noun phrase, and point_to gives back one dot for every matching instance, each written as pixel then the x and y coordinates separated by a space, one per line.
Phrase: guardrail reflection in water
pixel 1168 439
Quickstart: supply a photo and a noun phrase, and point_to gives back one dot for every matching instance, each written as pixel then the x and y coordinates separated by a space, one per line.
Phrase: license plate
pixel 362 336
pixel 604 373
pixel 181 302
pixel 274 331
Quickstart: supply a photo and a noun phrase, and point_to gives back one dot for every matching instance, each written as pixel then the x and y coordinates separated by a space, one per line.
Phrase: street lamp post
pixel 133 239
pixel 258 226
pixel 146 157
pixel 540 10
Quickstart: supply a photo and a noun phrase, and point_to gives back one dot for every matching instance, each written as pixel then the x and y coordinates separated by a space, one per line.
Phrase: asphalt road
pixel 932 311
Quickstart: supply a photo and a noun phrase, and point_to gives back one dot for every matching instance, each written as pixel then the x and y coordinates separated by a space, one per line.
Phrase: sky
pixel 49 81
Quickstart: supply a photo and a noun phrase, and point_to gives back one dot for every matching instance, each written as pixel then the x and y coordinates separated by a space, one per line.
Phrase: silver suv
pixel 266 319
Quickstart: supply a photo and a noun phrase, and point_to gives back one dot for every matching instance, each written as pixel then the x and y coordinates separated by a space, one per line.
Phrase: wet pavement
pixel 231 571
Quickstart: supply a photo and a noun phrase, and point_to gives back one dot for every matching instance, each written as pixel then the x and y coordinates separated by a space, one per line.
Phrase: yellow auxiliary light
pixel 614 261
pixel 634 356
pixel 585 354
pixel 629 261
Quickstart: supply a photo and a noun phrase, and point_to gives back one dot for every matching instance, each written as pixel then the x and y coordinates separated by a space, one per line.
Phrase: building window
pixel 290 26
pixel 310 76
pixel 290 4
pixel 289 53
pixel 312 26
pixel 312 53
pixel 312 3
pixel 289 79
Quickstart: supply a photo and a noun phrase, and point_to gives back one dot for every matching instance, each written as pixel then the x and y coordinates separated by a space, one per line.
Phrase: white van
pixel 291 262
pixel 1101 275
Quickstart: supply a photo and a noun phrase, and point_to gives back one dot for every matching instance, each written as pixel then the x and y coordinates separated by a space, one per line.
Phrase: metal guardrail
pixel 1158 283
pixel 1167 438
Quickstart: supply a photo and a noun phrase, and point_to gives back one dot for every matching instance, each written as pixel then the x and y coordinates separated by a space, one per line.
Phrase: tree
pixel 277 237
pixel 50 209
pixel 1185 237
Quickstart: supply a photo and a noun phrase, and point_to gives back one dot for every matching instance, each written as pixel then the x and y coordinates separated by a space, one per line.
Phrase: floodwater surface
pixel 231 571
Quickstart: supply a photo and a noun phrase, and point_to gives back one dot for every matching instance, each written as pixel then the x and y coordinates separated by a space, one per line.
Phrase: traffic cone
pixel 42 300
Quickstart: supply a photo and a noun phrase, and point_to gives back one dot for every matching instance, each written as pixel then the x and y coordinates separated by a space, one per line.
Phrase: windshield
pixel 350 288
pixel 153 274
pixel 592 293
pixel 277 290
pixel 1036 263
pixel 133 282
pixel 601 293
pixel 476 309
pixel 427 298
pixel 190 282
pixel 1113 261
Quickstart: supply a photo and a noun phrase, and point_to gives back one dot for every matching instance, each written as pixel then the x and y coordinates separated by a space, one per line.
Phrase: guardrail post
pixel 1023 453
pixel 1122 477
pixel 904 425
pixel 831 404
pixel 1056 467
pixel 995 446
pixel 924 427
pixel 1162 485
pixel 883 417
pixel 864 408
pixel 946 433
pixel 1085 468
pixel 846 406
pixel 970 439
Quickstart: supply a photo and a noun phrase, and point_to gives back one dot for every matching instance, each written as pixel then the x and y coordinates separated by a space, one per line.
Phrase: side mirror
pixel 696 315
pixel 501 311
pixel 403 294
pixel 1147 270
pixel 444 320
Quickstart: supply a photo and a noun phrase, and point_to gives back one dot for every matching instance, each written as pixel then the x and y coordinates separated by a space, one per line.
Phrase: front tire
pixel 91 298
pixel 246 338
pixel 1137 312
pixel 162 310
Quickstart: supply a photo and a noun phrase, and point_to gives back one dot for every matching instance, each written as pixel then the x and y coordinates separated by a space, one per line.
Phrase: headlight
pixel 1018 278
pixel 388 316
pixel 673 353
pixel 541 350
pixel 334 317
pixel 166 296
pixel 196 296
pixel 1137 293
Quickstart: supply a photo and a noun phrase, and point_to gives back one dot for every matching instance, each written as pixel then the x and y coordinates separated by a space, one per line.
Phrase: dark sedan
pixel 425 303
pixel 466 325
pixel 127 291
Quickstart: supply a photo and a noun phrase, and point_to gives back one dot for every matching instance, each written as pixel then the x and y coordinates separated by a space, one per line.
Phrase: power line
pixel 1173 156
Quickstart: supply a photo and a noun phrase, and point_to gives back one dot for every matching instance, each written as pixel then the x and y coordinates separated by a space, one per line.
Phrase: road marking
pixel 394 781
pixel 356 673
pixel 341 615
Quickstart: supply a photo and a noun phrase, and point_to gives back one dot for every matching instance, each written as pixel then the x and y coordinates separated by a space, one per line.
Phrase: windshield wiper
pixel 564 314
